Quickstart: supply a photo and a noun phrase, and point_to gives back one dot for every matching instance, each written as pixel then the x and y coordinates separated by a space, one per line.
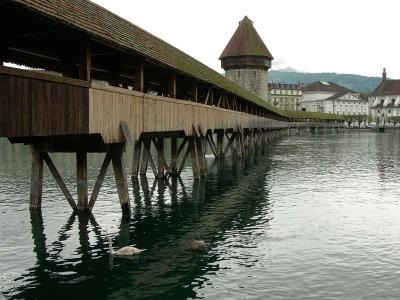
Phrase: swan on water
pixel 124 251
pixel 198 245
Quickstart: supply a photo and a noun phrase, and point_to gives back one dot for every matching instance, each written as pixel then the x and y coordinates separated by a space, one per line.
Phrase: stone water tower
pixel 246 59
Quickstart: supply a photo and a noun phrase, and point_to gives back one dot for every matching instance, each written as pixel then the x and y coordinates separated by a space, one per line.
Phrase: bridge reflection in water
pixel 166 216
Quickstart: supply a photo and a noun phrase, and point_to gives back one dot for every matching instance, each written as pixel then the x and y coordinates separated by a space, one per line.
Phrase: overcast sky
pixel 343 36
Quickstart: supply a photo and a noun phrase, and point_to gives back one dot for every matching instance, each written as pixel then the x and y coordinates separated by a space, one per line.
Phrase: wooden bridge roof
pixel 107 27
pixel 102 24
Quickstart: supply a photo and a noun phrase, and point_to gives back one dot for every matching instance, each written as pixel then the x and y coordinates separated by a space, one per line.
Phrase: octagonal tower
pixel 246 59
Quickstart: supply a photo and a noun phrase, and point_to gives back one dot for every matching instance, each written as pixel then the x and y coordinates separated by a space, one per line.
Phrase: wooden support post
pixel 59 181
pixel 82 181
pixel 36 181
pixel 138 84
pixel 220 143
pixel 85 65
pixel 160 158
pixel 194 90
pixel 137 148
pixel 201 157
pixel 120 178
pixel 184 160
pixel 174 156
pixel 172 86
pixel 194 158
pixel 145 157
pixel 99 181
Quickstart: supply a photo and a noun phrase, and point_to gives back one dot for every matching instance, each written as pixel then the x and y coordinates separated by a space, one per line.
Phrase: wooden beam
pixel 201 157
pixel 184 160
pixel 174 156
pixel 194 90
pixel 182 145
pixel 120 178
pixel 82 180
pixel 138 84
pixel 85 65
pixel 160 158
pixel 36 181
pixel 99 181
pixel 145 157
pixel 60 181
pixel 172 86
pixel 231 139
pixel 137 148
pixel 194 158
pixel 208 95
pixel 126 133
pixel 220 142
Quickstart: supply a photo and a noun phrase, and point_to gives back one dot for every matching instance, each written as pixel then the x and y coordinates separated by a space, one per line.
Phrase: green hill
pixel 358 83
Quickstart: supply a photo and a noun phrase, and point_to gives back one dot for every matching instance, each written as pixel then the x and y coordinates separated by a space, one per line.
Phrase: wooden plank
pixel 60 181
pixel 99 181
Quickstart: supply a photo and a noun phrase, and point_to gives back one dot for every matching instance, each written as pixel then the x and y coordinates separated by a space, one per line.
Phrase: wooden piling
pixel 194 158
pixel 120 178
pixel 137 148
pixel 174 156
pixel 82 180
pixel 36 181
pixel 220 142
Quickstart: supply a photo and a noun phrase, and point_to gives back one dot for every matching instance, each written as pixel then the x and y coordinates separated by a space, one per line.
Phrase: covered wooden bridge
pixel 97 82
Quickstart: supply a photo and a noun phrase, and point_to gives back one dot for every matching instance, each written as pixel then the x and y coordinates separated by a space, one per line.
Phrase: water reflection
pixel 166 216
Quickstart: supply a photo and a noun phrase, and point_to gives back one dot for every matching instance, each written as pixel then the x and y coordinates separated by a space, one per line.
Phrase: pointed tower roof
pixel 246 42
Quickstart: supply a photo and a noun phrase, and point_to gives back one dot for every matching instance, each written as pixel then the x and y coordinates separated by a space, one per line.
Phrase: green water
pixel 310 217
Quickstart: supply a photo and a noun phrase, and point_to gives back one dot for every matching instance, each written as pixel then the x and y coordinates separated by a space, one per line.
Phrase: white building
pixel 285 96
pixel 329 97
pixel 385 100
pixel 346 103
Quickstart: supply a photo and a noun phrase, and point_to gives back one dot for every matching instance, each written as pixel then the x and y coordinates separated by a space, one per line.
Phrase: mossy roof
pixel 102 24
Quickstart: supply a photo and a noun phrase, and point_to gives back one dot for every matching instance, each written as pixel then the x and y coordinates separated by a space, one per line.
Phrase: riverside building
pixel 329 97
pixel 285 96
pixel 385 100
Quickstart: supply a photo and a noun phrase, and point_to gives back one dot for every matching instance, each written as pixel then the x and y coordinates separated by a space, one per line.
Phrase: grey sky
pixel 343 36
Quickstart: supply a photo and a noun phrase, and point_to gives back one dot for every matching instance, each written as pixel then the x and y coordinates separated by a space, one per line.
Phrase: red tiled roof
pixel 388 87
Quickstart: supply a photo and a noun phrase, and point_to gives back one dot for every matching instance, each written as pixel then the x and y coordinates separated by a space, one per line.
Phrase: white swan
pixel 124 251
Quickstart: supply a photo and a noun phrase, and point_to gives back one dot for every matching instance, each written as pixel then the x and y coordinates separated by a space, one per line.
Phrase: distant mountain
pixel 357 83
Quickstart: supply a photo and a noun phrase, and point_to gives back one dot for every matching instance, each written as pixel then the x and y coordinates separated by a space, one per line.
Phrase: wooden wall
pixel 109 106
pixel 38 106
pixel 35 104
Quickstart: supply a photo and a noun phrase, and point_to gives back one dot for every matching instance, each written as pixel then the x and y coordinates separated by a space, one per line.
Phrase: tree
pixel 349 119
pixel 394 120
pixel 361 118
